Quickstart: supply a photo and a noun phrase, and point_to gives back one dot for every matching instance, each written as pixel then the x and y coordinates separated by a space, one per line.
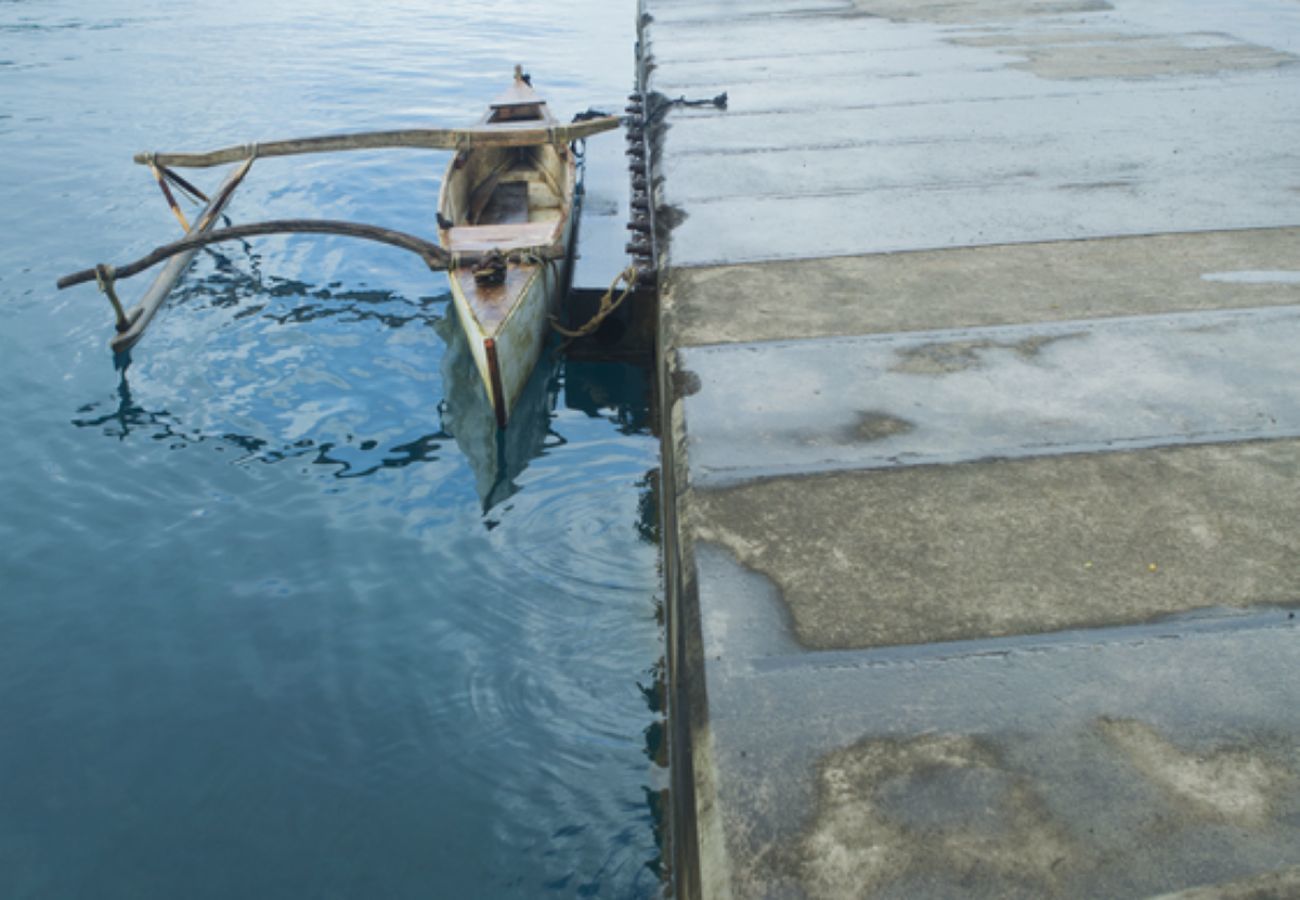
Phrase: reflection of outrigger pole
pixel 132 323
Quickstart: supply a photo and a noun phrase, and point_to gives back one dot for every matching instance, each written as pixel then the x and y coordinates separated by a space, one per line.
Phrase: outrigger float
pixel 505 219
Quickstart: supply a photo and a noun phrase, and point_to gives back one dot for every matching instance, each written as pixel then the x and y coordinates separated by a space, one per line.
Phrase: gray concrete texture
pixel 981 340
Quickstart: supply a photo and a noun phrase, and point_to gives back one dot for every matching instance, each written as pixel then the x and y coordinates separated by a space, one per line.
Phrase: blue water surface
pixel 259 635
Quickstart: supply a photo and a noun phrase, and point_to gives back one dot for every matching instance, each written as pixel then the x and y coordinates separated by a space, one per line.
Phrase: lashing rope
pixel 104 277
pixel 607 305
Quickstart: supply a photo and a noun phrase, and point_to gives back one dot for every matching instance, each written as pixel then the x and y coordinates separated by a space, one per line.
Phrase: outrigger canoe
pixel 505 218
pixel 511 209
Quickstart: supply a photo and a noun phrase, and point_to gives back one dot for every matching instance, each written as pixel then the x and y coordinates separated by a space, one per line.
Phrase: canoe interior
pixel 495 186
pixel 505 198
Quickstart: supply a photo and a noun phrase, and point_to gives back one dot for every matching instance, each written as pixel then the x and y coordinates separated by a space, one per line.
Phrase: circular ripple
pixel 574 528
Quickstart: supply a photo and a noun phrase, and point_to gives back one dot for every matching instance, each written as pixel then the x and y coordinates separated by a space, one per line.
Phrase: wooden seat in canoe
pixel 510 236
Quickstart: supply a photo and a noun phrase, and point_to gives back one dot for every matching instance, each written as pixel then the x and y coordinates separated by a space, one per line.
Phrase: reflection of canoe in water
pixel 518 201
pixel 497 456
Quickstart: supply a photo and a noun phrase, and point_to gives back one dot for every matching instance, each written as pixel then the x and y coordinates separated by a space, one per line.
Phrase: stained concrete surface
pixel 1078 764
pixel 980 428
pixel 1269 886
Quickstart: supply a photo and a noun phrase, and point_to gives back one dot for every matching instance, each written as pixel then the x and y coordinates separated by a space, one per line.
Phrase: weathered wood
pixel 503 134
pixel 139 316
pixel 463 239
pixel 433 254
pixel 184 185
pixel 170 198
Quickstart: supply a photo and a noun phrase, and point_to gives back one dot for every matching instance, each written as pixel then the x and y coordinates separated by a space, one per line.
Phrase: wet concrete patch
pixel 941 397
pixel 954 814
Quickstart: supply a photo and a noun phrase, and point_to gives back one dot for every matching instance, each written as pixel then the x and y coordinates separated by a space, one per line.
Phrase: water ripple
pixel 268 628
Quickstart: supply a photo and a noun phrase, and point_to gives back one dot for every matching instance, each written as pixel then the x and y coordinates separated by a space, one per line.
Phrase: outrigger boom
pixel 132 323
pixel 499 135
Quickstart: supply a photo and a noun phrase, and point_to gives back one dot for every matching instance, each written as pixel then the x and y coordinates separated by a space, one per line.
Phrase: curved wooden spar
pixel 497 135
pixel 435 256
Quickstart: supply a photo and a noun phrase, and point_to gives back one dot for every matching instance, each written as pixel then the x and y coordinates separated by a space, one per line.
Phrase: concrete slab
pixel 979 286
pixel 943 553
pixel 967 124
pixel 1137 762
pixel 980 393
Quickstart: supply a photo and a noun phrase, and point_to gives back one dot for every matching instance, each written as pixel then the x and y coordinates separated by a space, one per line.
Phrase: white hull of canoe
pixel 519 341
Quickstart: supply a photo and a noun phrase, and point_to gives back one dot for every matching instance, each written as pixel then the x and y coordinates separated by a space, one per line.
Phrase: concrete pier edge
pixel 980 446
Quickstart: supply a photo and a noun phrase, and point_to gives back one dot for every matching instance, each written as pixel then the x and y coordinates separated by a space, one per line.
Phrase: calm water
pixel 258 635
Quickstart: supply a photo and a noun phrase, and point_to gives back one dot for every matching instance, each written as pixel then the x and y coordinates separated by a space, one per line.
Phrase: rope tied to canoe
pixel 540 255
pixel 169 196
pixel 193 193
pixel 491 269
pixel 608 305
pixel 105 275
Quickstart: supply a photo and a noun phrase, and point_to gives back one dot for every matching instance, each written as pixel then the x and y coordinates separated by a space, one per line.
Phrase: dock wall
pixel 978 373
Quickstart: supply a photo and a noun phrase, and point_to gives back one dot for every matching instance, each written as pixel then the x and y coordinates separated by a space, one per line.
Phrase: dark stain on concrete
pixel 946 12
pixel 943 808
pixel 940 358
pixel 946 358
pixel 669 216
pixel 685 383
pixel 1030 347
pixel 878 426
pixel 1098 186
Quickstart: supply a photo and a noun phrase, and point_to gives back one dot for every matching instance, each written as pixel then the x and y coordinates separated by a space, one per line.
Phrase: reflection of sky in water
pixel 258 635
pixel 295 383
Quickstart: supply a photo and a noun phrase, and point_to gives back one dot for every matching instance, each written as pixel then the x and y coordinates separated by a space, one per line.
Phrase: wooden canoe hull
pixel 511 201
pixel 505 359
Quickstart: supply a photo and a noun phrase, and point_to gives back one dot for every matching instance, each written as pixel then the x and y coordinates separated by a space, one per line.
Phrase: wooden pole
pixel 435 256
pixel 171 199
pixel 499 135
pixel 140 315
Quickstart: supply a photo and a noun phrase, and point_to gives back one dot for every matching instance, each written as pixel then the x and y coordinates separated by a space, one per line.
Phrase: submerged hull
pixel 496 456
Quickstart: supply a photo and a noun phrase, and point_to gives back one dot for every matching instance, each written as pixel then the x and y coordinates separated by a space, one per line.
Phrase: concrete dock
pixel 980 377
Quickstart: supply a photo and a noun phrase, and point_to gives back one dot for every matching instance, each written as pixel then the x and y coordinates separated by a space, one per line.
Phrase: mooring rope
pixel 607 305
